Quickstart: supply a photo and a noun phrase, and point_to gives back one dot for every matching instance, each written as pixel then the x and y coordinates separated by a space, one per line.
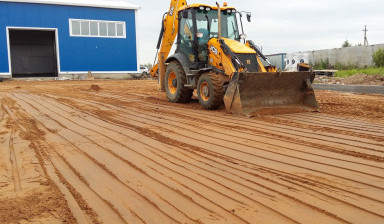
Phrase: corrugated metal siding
pixel 276 60
pixel 76 53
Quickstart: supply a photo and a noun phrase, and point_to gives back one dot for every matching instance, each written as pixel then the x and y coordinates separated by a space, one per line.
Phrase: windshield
pixel 207 25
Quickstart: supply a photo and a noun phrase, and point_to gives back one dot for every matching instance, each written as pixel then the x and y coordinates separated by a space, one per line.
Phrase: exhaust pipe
pixel 219 18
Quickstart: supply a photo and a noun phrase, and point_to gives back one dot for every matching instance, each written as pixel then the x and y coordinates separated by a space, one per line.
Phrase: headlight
pixel 229 11
pixel 233 10
pixel 243 36
pixel 208 9
pixel 201 7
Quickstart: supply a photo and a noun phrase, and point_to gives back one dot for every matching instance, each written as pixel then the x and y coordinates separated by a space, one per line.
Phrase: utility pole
pixel 365 36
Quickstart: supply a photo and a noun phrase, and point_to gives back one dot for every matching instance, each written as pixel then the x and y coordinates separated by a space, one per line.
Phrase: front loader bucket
pixel 254 92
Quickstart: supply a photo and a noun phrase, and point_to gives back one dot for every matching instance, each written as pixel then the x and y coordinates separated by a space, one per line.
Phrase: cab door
pixel 186 37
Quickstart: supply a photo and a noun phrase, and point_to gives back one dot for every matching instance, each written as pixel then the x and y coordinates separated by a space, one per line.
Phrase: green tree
pixel 346 44
pixel 378 57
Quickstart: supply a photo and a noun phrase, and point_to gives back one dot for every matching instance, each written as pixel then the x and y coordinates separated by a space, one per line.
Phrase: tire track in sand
pixel 175 125
pixel 153 100
pixel 35 101
pixel 45 167
pixel 331 121
pixel 233 121
pixel 13 159
pixel 185 186
pixel 83 162
pixel 79 209
pixel 149 118
pixel 377 167
pixel 12 155
pixel 83 116
pixel 243 140
pixel 252 134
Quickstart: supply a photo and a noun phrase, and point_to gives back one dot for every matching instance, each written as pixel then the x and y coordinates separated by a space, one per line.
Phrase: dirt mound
pixel 364 79
pixel 95 88
pixel 36 207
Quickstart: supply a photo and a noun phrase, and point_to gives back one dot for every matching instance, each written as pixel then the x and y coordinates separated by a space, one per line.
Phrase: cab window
pixel 186 37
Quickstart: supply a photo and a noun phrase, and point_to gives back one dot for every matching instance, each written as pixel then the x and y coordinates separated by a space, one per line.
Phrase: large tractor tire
pixel 175 79
pixel 210 91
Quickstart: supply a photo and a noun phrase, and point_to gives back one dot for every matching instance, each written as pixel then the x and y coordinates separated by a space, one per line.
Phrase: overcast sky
pixel 282 26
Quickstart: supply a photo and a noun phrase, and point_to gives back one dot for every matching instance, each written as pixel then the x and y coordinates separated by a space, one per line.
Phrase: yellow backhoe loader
pixel 213 57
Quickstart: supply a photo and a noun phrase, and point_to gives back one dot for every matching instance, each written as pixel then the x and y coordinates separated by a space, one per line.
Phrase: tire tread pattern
pixel 184 95
pixel 218 91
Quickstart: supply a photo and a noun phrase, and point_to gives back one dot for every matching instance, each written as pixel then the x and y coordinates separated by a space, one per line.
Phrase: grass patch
pixel 368 71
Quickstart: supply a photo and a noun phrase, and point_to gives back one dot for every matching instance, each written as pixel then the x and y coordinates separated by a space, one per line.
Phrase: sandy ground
pixel 118 152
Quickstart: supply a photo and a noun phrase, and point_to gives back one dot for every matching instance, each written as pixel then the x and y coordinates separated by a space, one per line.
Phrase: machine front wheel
pixel 210 91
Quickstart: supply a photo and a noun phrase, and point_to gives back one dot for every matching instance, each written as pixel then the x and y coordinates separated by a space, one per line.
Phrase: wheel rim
pixel 204 91
pixel 171 80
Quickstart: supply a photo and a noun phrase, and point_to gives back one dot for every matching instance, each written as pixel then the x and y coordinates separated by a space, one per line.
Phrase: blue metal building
pixel 55 37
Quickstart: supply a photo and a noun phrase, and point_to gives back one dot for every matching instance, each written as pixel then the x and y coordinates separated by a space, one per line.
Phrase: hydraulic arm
pixel 168 33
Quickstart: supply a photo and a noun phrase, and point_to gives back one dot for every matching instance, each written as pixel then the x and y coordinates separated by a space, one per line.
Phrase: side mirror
pixel 185 14
pixel 249 17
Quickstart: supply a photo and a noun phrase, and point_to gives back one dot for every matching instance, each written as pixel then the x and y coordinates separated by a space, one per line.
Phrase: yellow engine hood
pixel 238 47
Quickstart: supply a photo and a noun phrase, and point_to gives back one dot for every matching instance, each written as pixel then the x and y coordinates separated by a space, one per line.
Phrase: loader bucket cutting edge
pixel 259 91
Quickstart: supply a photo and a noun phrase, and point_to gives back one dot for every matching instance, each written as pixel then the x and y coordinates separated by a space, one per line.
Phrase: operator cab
pixel 197 25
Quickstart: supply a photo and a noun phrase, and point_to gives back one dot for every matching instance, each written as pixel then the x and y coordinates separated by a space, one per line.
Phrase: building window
pixel 84 28
pixel 120 29
pixel 75 28
pixel 111 29
pixel 103 29
pixel 97 28
pixel 94 28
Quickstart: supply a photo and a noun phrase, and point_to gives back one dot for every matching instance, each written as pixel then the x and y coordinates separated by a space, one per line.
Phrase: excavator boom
pixel 168 33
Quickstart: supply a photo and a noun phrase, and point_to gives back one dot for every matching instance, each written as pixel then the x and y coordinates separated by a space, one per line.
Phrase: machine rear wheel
pixel 210 91
pixel 175 80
